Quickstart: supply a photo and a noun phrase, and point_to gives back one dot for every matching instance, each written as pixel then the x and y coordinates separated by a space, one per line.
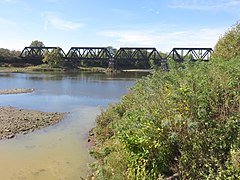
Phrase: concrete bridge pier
pixel 164 65
pixel 111 64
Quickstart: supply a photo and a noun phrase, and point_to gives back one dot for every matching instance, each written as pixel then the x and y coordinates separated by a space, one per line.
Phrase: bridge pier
pixel 111 64
pixel 164 65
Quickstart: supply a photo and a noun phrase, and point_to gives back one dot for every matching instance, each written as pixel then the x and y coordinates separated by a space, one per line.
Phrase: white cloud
pixel 208 5
pixel 165 41
pixel 4 21
pixel 58 23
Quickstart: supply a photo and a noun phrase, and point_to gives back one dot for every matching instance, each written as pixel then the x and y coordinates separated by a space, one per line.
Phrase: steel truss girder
pixel 123 54
pixel 141 54
pixel 37 52
pixel 89 53
pixel 194 54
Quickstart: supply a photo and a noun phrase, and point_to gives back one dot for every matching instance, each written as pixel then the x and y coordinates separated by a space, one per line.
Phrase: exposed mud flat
pixel 19 121
pixel 15 91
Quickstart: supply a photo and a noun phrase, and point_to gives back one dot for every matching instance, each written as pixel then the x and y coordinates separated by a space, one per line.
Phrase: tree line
pixel 227 47
pixel 56 58
pixel 9 56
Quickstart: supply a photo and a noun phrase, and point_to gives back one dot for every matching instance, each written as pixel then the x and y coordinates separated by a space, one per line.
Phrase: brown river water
pixel 60 151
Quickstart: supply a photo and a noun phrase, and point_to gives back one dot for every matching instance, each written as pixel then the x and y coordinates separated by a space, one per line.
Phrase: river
pixel 60 151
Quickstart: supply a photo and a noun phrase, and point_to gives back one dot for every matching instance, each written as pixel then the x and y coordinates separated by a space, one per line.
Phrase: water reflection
pixel 85 84
pixel 59 151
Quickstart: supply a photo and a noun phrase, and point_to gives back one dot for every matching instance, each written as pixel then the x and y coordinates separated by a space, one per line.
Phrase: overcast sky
pixel 163 24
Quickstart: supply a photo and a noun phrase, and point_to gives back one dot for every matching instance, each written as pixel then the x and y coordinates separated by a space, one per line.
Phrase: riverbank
pixel 184 124
pixel 15 91
pixel 46 68
pixel 15 121
pixel 19 121
pixel 28 69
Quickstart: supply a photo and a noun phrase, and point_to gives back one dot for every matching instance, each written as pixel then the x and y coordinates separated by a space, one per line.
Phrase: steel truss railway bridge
pixel 120 56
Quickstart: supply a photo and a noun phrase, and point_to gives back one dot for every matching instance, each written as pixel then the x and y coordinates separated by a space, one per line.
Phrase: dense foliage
pixel 9 56
pixel 228 46
pixel 55 58
pixel 37 43
pixel 184 122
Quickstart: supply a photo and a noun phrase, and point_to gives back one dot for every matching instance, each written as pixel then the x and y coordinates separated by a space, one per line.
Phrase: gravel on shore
pixel 15 91
pixel 15 121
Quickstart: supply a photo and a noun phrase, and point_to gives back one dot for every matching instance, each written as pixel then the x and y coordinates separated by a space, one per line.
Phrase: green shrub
pixel 228 46
pixel 183 122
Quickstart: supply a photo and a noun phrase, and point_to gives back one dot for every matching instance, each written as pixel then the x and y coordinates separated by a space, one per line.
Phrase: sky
pixel 163 24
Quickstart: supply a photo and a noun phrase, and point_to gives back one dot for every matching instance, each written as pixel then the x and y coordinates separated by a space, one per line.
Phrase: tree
pixel 55 58
pixel 9 56
pixel 112 50
pixel 5 52
pixel 228 46
pixel 15 53
pixel 37 43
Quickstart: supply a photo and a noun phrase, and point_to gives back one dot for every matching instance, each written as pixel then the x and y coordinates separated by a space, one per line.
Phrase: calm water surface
pixel 59 151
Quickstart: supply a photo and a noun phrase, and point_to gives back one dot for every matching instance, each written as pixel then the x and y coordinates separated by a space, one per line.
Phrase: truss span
pixel 89 53
pixel 190 54
pixel 140 54
pixel 37 52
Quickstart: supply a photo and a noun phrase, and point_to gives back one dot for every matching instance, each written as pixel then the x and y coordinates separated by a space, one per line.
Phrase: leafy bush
pixel 228 46
pixel 184 122
pixel 55 58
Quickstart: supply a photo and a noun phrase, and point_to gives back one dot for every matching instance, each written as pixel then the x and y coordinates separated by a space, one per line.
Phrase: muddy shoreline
pixel 15 121
pixel 15 91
